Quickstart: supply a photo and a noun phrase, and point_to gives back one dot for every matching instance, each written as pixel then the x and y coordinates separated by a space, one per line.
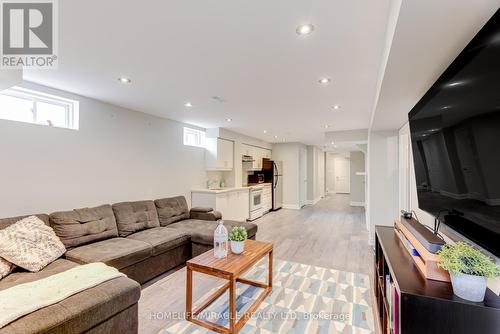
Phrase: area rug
pixel 305 299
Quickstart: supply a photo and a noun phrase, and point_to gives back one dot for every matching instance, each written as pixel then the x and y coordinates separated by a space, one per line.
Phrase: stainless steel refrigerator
pixel 277 185
pixel 273 173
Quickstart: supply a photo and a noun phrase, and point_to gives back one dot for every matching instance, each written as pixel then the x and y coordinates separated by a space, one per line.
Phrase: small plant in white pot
pixel 469 270
pixel 238 235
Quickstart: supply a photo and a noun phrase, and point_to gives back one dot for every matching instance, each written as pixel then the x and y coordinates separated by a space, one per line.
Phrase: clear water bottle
pixel 220 241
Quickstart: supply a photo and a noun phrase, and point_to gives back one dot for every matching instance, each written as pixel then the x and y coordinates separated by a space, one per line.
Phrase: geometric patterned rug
pixel 305 299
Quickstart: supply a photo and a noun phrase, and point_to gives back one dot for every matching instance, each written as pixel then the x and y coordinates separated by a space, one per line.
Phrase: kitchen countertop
pixel 218 190
pixel 229 189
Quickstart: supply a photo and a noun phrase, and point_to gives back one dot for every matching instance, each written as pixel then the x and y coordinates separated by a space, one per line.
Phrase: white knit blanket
pixel 25 298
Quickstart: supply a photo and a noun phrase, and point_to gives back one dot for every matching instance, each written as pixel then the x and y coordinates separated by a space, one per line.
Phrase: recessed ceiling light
pixel 333 143
pixel 327 126
pixel 324 81
pixel 456 83
pixel 275 137
pixel 336 107
pixel 188 105
pixel 305 29
pixel 124 80
pixel 265 131
pixel 229 119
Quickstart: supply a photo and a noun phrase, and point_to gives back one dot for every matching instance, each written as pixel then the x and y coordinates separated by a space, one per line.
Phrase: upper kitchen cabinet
pixel 266 153
pixel 247 150
pixel 219 154
pixel 257 153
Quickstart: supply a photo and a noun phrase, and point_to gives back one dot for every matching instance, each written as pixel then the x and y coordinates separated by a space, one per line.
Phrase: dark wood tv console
pixel 420 305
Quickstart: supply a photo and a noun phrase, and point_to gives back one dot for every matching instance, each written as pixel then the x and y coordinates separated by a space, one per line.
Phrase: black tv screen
pixel 455 134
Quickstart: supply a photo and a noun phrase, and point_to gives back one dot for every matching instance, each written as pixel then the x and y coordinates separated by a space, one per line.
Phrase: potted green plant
pixel 238 235
pixel 469 270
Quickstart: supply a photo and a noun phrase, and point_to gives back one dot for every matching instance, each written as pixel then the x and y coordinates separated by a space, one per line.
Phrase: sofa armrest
pixel 204 209
pixel 205 214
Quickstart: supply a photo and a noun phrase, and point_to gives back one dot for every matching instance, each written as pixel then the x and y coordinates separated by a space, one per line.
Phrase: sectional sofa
pixel 142 239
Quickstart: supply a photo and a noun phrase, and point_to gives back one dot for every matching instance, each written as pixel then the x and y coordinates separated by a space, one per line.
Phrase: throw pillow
pixel 30 244
pixel 5 268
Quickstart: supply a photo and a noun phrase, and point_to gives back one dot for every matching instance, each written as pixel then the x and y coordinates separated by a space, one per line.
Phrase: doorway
pixel 338 171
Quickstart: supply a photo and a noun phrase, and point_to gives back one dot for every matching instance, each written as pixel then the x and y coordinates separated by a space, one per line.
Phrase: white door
pixel 303 177
pixel 342 168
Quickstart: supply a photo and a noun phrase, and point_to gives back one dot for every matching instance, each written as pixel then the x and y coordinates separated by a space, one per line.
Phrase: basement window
pixel 29 106
pixel 194 137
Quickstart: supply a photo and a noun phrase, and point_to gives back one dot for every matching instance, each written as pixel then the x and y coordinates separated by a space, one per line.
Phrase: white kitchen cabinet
pixel 219 154
pixel 246 149
pixel 261 153
pixel 267 198
pixel 232 203
pixel 258 158
pixel 257 153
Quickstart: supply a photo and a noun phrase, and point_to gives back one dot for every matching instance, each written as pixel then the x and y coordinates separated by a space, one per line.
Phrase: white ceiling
pixel 246 52
pixel 429 35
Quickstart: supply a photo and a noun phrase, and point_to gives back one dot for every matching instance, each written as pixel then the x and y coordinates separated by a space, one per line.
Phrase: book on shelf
pixel 395 307
pixel 412 250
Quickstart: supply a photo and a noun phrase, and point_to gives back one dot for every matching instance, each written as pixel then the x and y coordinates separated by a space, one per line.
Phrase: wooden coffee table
pixel 230 269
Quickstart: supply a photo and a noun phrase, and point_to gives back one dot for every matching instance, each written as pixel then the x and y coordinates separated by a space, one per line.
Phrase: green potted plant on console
pixel 469 270
pixel 238 235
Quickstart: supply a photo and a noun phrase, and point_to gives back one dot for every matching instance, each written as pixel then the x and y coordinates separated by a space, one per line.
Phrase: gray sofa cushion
pixel 83 226
pixel 132 217
pixel 161 239
pixel 9 221
pixel 117 252
pixel 75 314
pixel 202 231
pixel 171 210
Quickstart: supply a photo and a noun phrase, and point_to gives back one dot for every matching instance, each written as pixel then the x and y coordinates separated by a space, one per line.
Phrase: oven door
pixel 256 200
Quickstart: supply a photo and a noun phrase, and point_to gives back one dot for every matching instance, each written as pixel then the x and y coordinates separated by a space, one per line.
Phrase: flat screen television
pixel 455 134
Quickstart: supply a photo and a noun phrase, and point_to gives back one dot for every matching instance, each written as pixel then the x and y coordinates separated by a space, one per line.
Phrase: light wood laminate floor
pixel 330 234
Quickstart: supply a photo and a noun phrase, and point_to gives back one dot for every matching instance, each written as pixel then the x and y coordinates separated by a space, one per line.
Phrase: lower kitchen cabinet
pixel 267 198
pixel 233 204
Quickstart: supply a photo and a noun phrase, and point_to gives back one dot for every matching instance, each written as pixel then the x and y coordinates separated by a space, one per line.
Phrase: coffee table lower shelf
pixel 244 318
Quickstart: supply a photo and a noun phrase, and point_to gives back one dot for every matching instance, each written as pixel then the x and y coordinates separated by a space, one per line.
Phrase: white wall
pixel 315 174
pixel 357 181
pixel 311 161
pixel 116 155
pixel 382 191
pixel 9 78
pixel 288 153
pixel 319 189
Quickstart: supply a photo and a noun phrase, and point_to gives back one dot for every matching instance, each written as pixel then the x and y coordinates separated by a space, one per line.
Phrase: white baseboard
pixel 312 202
pixel 291 206
pixel 357 204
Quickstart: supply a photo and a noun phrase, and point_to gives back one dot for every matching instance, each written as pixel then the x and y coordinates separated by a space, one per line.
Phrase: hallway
pixel 330 234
